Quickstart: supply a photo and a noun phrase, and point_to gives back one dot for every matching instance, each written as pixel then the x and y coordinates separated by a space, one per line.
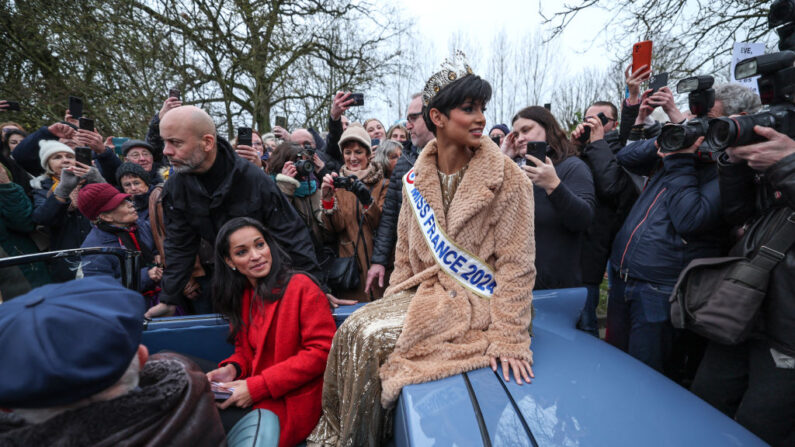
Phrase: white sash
pixel 472 273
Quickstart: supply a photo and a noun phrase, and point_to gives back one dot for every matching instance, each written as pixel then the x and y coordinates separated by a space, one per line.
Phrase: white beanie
pixel 48 148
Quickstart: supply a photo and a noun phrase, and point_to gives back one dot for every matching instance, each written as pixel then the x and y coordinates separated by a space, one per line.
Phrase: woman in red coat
pixel 281 325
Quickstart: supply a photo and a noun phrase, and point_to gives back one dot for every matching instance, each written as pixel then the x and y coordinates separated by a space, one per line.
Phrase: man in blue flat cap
pixel 74 373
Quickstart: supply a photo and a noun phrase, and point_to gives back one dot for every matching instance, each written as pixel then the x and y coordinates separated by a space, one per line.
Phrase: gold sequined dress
pixel 352 411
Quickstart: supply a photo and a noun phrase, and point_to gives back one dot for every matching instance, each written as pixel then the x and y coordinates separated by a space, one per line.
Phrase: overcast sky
pixel 582 44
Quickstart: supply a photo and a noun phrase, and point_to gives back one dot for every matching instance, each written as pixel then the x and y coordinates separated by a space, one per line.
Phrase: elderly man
pixel 386 237
pixel 86 380
pixel 134 151
pixel 211 185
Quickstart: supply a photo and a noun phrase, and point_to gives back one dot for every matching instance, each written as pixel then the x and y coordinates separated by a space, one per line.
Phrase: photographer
pixel 615 194
pixel 301 189
pixel 754 382
pixel 675 219
pixel 346 212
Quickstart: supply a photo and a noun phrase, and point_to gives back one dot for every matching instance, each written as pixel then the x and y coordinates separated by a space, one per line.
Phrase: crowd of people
pixel 445 228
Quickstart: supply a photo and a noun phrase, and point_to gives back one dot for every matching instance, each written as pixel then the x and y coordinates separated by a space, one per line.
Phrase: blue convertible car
pixel 586 393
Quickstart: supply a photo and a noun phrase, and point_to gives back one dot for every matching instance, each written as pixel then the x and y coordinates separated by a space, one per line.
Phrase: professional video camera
pixel 306 165
pixel 776 87
pixel 354 185
pixel 701 98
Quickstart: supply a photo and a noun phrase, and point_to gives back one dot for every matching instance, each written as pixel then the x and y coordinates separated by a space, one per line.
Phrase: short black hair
pixel 470 87
pixel 607 104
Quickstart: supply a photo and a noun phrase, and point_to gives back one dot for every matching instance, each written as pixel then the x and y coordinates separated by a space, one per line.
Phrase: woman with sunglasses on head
pixel 460 295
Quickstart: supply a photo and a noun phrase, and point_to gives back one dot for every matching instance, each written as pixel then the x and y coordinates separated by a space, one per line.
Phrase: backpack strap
pixel 775 249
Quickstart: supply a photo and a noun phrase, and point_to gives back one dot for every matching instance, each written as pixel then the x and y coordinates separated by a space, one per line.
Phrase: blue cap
pixel 64 342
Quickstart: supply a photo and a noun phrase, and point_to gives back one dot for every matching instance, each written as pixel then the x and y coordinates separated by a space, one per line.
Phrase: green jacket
pixel 15 224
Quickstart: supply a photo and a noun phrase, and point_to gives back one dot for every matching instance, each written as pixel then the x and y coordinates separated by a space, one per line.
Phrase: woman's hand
pixel 633 80
pixel 542 174
pixel 281 133
pixel 289 169
pixel 521 369
pixel 170 103
pixel 340 104
pixel 327 188
pixel 509 145
pixel 665 98
pixel 91 139
pixel 155 274
pixel 250 154
pixel 240 396
pixel 225 373
pixel 192 289
pixel 319 164
pixel 645 108
pixel 597 130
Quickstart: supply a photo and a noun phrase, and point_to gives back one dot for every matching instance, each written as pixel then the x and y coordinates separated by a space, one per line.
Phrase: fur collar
pixel 476 191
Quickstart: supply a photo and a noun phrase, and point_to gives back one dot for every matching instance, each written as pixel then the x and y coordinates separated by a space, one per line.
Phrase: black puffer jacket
pixel 386 236
pixel 191 214
pixel 767 200
pixel 615 195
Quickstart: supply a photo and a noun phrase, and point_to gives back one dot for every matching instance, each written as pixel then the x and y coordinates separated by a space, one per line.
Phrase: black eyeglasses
pixel 413 116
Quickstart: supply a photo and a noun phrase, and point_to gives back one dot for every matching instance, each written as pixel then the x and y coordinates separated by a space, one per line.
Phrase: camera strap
pixel 467 269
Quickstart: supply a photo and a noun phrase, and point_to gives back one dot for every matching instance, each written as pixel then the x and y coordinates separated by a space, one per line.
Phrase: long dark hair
pixel 560 145
pixel 228 285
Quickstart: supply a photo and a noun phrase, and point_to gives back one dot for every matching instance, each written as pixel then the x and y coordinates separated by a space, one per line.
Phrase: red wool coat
pixel 284 373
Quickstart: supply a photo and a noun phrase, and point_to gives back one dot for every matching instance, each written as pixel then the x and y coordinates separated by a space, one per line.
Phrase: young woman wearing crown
pixel 460 295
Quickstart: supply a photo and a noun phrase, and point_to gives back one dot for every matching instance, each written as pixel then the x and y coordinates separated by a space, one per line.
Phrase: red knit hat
pixel 97 198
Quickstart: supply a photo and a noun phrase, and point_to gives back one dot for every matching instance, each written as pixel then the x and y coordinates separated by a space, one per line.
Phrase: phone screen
pixel 244 136
pixel 281 121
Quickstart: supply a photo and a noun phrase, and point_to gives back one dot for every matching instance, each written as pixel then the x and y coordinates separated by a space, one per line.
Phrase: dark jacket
pixel 15 224
pixel 615 194
pixel 332 146
pixel 628 116
pixel 153 138
pixel 765 201
pixel 675 219
pixel 386 236
pixel 26 153
pixel 68 228
pixel 173 405
pixel 561 220
pixel 192 214
pixel 107 265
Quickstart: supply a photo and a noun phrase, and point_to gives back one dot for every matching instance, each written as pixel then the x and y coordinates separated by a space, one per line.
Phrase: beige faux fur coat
pixel 449 330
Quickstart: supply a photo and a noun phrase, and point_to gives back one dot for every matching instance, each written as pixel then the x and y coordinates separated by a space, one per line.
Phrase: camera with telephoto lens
pixel 700 98
pixel 776 83
pixel 306 166
pixel 353 184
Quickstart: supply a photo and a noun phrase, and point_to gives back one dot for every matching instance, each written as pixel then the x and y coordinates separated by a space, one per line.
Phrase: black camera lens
pixel 672 137
pixel 304 167
pixel 738 130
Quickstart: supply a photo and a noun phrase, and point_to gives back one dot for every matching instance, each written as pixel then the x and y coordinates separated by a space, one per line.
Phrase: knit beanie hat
pixel 128 168
pixel 356 132
pixel 48 148
pixel 130 144
pixel 502 127
pixel 97 198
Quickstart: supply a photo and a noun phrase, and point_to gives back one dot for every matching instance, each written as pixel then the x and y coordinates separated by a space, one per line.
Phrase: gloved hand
pixel 67 184
pixel 94 176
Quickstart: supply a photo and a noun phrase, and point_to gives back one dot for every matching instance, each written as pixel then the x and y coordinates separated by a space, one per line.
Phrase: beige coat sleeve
pixel 509 331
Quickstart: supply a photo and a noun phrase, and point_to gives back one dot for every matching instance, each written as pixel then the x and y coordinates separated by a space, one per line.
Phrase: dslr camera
pixel 306 166
pixel 353 184
pixel 776 87
pixel 700 98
